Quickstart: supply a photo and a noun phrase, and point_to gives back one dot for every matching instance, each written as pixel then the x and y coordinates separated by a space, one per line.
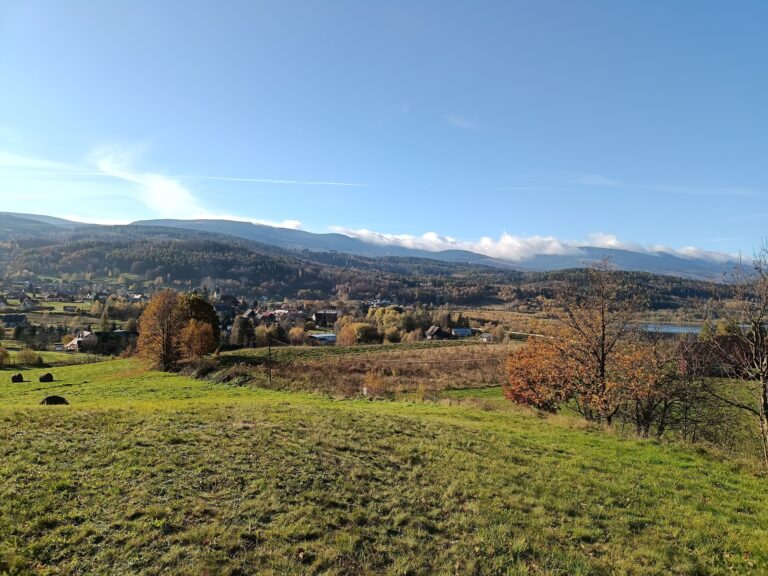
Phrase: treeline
pixel 354 325
pixel 251 270
pixel 597 361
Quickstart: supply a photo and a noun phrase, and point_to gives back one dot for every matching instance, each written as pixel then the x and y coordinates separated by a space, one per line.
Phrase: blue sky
pixel 507 127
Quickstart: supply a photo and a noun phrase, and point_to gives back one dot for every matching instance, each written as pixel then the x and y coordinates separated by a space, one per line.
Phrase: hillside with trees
pixel 132 255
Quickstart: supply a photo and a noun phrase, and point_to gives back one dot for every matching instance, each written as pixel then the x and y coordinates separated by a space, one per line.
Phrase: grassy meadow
pixel 49 358
pixel 384 370
pixel 151 473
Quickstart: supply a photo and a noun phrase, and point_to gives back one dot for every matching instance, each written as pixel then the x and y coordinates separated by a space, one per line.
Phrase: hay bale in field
pixel 54 401
pixel 47 377
pixel 16 378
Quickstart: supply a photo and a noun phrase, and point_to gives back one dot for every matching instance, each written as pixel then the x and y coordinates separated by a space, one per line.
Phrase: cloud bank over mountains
pixel 519 248
pixel 112 170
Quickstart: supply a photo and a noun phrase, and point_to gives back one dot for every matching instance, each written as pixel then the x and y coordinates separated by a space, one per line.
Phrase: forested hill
pixel 245 268
pixel 34 226
pixel 131 255
pixel 668 263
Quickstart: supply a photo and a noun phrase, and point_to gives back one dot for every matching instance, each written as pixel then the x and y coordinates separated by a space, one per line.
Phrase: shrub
pixel 3 356
pixel 260 336
pixel 197 340
pixel 374 385
pixel 414 336
pixel 28 357
pixel 200 369
pixel 392 335
pixel 358 333
pixel 297 336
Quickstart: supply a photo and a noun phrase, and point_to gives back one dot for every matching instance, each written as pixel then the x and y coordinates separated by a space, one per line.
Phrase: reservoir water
pixel 671 328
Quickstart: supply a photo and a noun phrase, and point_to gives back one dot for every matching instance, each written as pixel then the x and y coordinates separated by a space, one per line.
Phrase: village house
pixel 228 300
pixel 322 339
pixel 96 296
pixel 325 318
pixel 55 297
pixel 28 304
pixel 85 341
pixel 266 318
pixel 461 332
pixel 252 314
pixel 437 333
pixel 13 320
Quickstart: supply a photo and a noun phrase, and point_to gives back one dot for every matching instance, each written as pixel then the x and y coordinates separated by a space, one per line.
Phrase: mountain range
pixel 652 262
pixel 302 241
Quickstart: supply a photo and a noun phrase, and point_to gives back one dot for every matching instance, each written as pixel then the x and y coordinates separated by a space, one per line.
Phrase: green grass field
pixel 150 473
pixel 291 353
pixel 50 358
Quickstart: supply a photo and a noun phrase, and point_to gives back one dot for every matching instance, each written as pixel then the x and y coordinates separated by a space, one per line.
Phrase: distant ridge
pixel 653 262
pixel 50 220
pixel 291 239
pixel 36 225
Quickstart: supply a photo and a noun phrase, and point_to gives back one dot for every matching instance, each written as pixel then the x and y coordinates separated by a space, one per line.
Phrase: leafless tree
pixel 743 354
pixel 596 315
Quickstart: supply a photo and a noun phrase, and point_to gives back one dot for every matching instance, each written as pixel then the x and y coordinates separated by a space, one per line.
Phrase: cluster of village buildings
pixel 78 299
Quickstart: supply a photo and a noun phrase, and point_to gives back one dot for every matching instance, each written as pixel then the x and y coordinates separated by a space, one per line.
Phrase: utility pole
pixel 269 359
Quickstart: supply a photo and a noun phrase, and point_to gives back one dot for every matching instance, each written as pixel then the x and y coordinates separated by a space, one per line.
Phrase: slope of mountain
pixel 49 220
pixel 37 227
pixel 301 240
pixel 190 258
pixel 653 262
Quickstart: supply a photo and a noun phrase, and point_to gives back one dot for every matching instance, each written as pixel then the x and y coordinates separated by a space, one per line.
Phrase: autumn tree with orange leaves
pixel 159 327
pixel 594 360
pixel 649 384
pixel 196 340
pixel 539 376
pixel 170 330
pixel 595 319
pixel 580 359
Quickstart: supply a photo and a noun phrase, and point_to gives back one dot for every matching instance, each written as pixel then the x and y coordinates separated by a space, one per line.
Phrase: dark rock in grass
pixel 54 401
pixel 48 377
pixel 16 378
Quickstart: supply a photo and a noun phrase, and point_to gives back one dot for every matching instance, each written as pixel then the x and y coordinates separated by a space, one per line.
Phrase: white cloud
pixel 292 224
pixel 507 247
pixel 461 123
pixel 281 181
pixel 19 162
pixel 519 248
pixel 165 195
pixel 168 197
pixel 116 175
pixel 748 217
pixel 288 223
pixel 91 220
pixel 161 194
pixel 601 240
pixel 693 252
pixel 584 179
pixel 601 181
pixel 723 191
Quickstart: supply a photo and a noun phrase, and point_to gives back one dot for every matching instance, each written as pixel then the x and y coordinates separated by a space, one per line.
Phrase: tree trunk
pixel 764 417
